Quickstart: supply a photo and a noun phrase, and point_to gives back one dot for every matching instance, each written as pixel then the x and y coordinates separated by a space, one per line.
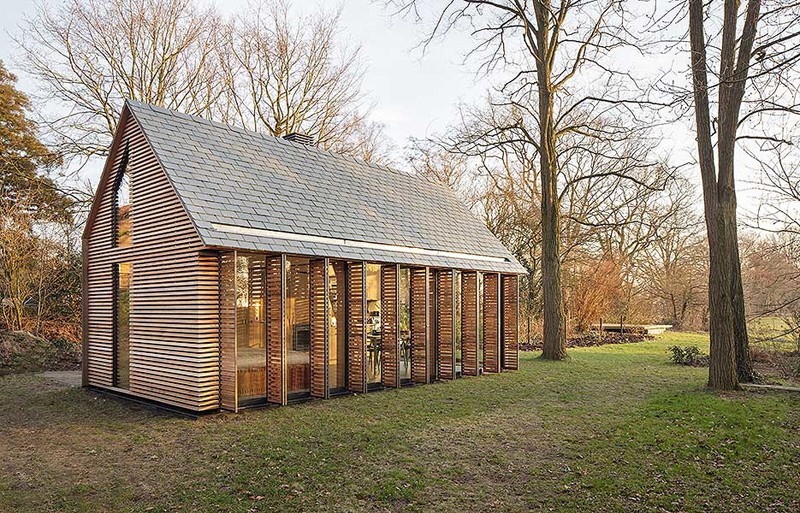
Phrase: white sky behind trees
pixel 414 94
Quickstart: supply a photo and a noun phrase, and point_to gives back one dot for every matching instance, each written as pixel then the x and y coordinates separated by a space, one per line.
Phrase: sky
pixel 415 93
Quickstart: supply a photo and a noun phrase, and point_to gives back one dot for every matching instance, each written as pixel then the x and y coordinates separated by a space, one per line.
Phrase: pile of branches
pixel 592 339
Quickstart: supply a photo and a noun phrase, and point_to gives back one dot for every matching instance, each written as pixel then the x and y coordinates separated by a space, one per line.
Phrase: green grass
pixel 614 428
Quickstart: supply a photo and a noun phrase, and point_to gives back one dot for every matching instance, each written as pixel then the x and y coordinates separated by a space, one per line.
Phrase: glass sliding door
pixel 298 331
pixel 457 319
pixel 480 324
pixel 373 323
pixel 251 342
pixel 337 327
pixel 404 304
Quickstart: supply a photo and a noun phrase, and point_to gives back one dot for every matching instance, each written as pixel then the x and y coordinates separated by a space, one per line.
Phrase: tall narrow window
pixel 480 323
pixel 373 323
pixel 404 302
pixel 457 319
pixel 122 205
pixel 123 272
pixel 337 327
pixel 251 341
pixel 298 329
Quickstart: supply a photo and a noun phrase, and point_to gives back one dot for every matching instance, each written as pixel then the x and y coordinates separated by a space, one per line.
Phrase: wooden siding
pixel 318 324
pixel 446 326
pixel 276 335
pixel 229 399
pixel 356 332
pixel 433 329
pixel 510 322
pixel 491 322
pixel 390 326
pixel 174 297
pixel 469 323
pixel 418 282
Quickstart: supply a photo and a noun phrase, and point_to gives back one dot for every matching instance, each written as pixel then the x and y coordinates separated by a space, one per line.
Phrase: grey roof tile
pixel 232 176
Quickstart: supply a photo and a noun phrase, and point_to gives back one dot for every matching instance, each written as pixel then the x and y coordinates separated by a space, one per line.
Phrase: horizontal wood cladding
pixel 390 326
pixel 174 295
pixel 510 291
pixel 469 323
pixel 419 325
pixel 277 392
pixel 446 325
pixel 318 324
pixel 356 330
pixel 491 322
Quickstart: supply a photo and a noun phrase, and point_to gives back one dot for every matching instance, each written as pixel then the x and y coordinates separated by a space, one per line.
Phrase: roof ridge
pixel 280 140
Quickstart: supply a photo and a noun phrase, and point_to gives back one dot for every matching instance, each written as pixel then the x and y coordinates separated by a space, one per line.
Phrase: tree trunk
pixel 722 360
pixel 554 336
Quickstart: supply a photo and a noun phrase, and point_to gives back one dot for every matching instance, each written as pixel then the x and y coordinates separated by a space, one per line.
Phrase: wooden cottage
pixel 225 268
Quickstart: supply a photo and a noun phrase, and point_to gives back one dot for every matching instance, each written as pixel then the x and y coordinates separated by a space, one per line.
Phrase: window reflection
pixel 337 327
pixel 404 303
pixel 298 333
pixel 251 348
pixel 123 212
pixel 457 318
pixel 373 323
pixel 124 272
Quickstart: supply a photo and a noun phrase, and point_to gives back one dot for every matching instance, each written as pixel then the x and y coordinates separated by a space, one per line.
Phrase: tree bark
pixel 554 332
pixel 722 361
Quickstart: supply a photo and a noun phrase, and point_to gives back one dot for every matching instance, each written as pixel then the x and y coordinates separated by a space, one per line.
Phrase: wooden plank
pixel 390 325
pixel 510 290
pixel 469 323
pixel 446 325
pixel 318 324
pixel 491 322
pixel 174 309
pixel 419 325
pixel 276 335
pixel 356 326
pixel 228 397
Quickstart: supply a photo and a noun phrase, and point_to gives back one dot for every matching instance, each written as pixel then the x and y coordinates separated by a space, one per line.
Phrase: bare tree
pixel 89 55
pixel 752 49
pixel 545 47
pixel 287 74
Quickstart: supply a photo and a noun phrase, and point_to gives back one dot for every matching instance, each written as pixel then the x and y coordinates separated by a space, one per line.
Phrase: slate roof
pixel 251 191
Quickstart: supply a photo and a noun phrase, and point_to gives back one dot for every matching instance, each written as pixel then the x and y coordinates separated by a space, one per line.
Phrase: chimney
pixel 297 137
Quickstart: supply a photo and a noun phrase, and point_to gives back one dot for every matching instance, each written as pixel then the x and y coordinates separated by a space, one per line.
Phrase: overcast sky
pixel 414 94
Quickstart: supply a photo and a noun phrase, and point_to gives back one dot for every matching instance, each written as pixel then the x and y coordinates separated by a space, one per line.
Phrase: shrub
pixel 689 355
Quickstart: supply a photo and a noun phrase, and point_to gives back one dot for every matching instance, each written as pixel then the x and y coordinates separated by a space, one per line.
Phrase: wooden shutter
pixel 390 326
pixel 276 336
pixel 491 322
pixel 433 328
pixel 418 282
pixel 446 326
pixel 469 323
pixel 356 331
pixel 318 325
pixel 228 396
pixel 510 322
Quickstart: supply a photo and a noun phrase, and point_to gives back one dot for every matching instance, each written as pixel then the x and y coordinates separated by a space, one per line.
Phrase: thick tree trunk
pixel 722 366
pixel 554 336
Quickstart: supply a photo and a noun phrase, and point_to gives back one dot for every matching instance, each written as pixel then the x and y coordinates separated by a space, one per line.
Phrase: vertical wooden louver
pixel 419 325
pixel 390 326
pixel 228 397
pixel 491 322
pixel 276 336
pixel 433 328
pixel 356 326
pixel 446 326
pixel 510 322
pixel 318 324
pixel 469 323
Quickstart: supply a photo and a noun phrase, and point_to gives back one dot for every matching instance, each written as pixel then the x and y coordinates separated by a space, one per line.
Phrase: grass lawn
pixel 614 428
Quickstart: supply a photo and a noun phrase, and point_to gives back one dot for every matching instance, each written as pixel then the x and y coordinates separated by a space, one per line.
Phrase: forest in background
pixel 632 242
